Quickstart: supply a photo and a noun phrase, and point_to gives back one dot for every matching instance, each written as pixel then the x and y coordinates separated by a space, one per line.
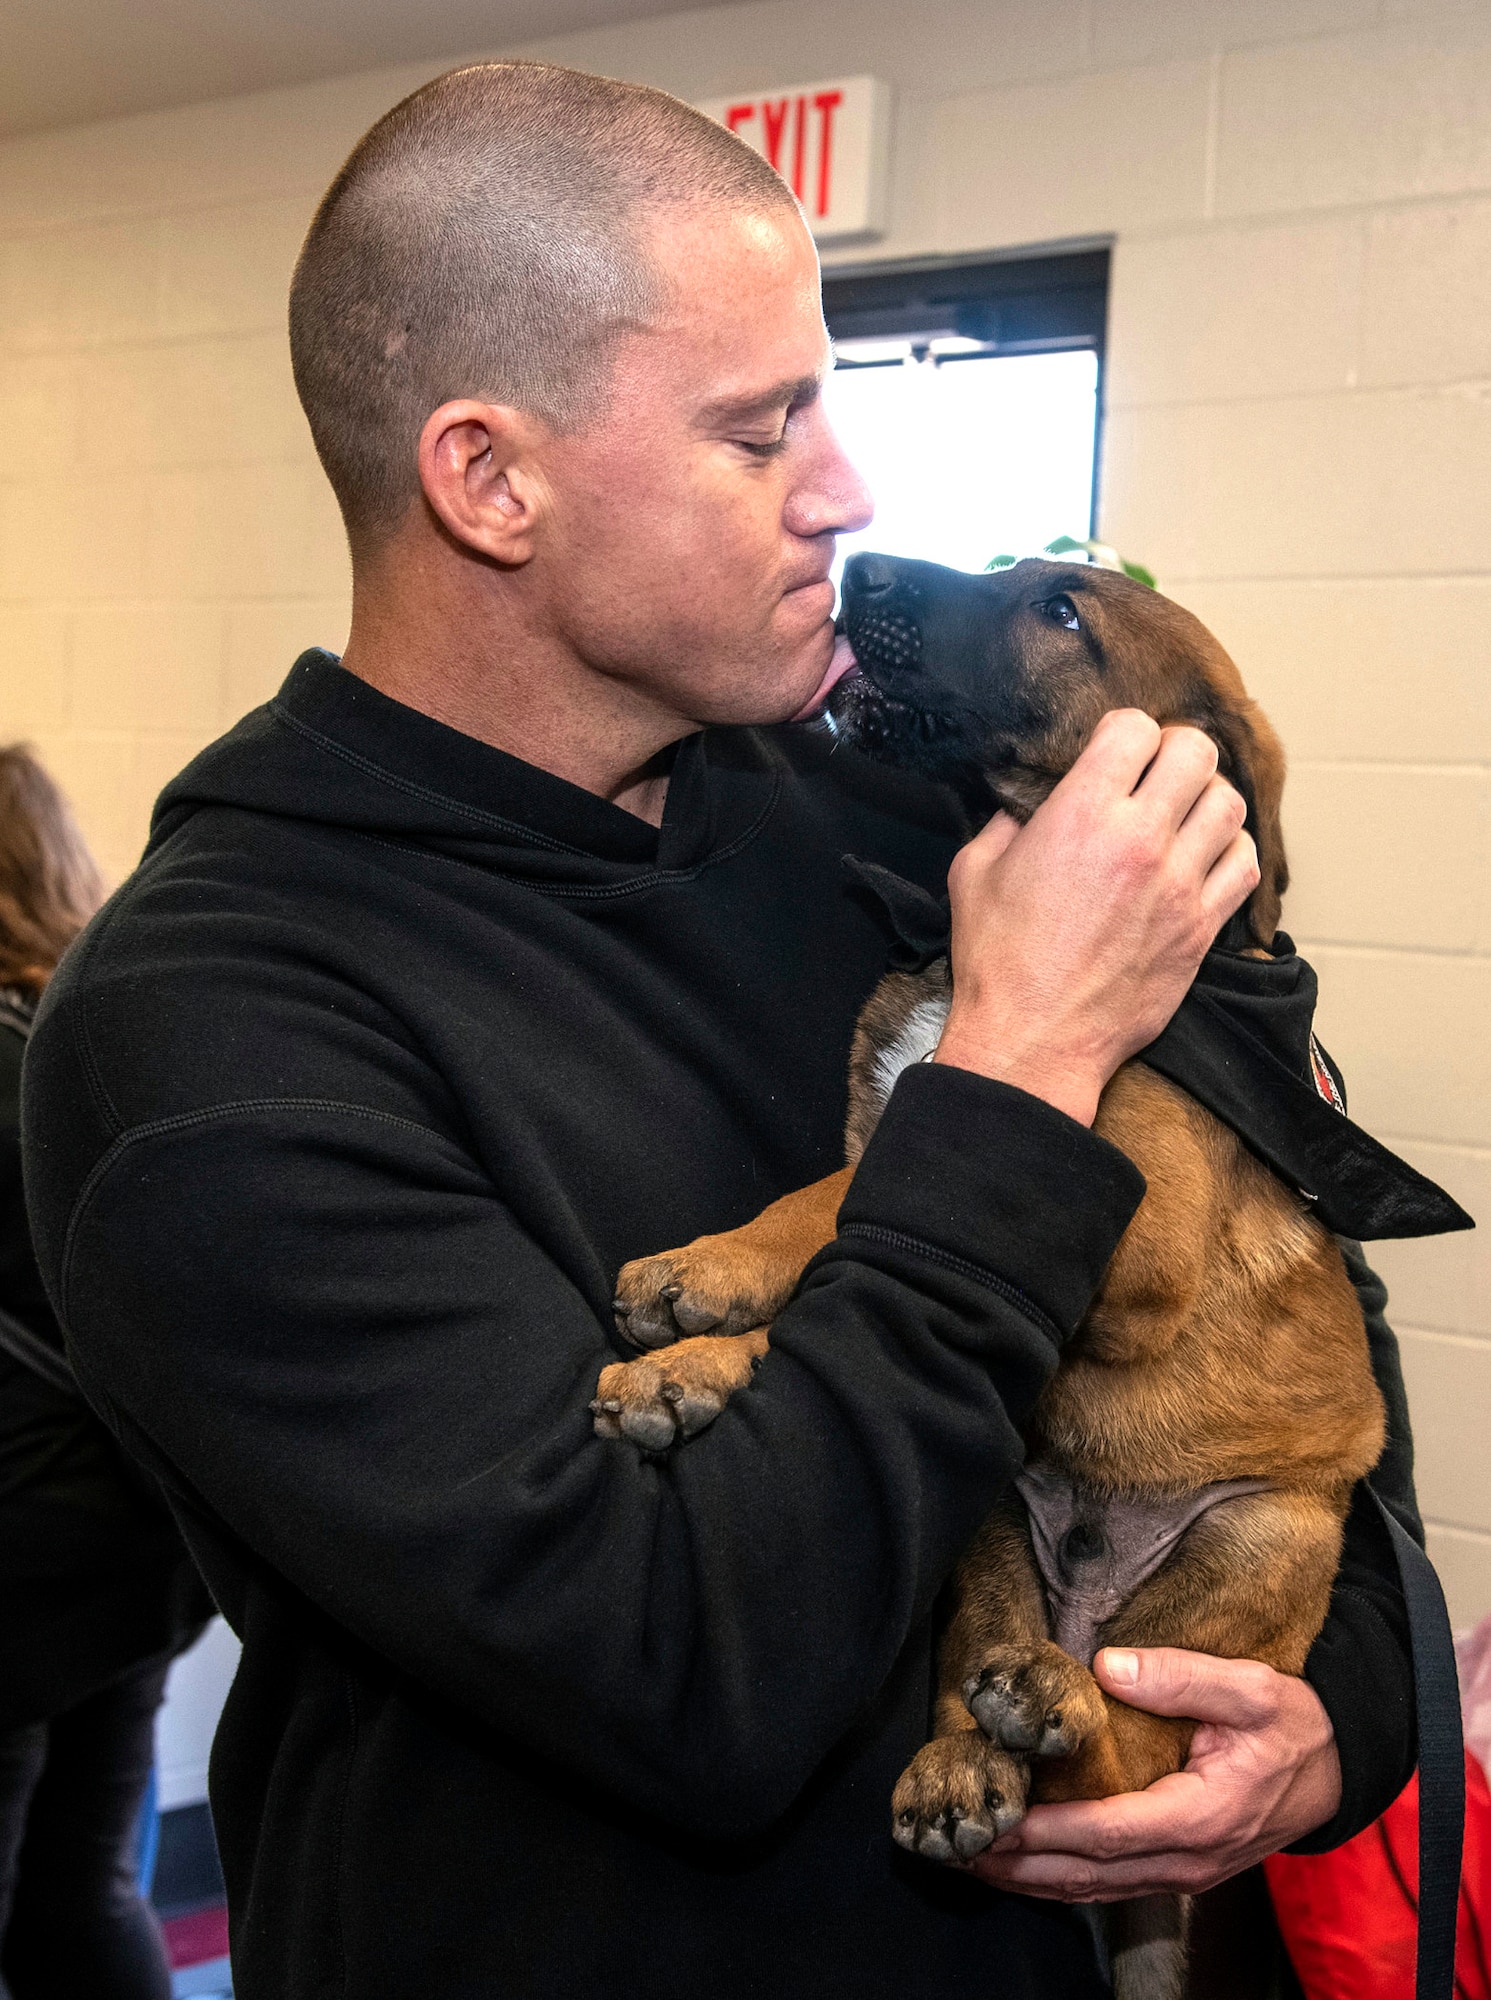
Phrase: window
pixel 969 396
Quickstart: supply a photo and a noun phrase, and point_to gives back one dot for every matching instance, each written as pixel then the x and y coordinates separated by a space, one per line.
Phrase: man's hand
pixel 1262 1772
pixel 1076 937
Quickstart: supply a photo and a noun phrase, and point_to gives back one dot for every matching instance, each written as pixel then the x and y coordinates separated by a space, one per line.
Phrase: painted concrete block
pixel 1426 299
pixel 1444 1282
pixel 263 146
pixel 1410 1030
pixel 62 540
pixel 1463 1560
pixel 226 401
pixel 710 51
pixel 1088 155
pixel 327 566
pixel 266 639
pixel 148 666
pixel 1373 669
pixel 241 531
pixel 44 414
pixel 227 270
pixel 80 287
pixel 1449 1390
pixel 1130 31
pixel 1419 10
pixel 1379 115
pixel 33 670
pixel 1381 854
pixel 1221 313
pixel 96 771
pixel 1380 482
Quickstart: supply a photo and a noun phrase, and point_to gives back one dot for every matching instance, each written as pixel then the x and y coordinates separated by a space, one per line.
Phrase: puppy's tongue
pixel 843 662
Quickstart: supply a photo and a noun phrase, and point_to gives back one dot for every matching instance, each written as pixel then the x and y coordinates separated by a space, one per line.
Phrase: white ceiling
pixel 66 62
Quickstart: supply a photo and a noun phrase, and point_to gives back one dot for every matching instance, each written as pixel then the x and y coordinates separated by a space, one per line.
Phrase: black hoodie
pixel 341 1120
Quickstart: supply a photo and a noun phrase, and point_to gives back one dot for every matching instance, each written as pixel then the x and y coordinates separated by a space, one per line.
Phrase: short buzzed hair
pixel 486 238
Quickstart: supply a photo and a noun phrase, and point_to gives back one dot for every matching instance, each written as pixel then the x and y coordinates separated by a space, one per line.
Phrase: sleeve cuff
pixel 1361 1666
pixel 1000 1179
pixel 1372 1714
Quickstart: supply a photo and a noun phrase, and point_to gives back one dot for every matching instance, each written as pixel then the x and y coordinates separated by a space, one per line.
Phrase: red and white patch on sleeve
pixel 1325 1083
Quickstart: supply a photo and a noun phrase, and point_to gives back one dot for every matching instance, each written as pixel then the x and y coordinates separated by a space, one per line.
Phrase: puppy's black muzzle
pixel 882 614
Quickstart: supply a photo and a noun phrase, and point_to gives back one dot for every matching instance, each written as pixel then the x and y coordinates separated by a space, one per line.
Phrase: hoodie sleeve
pixel 345 1350
pixel 1361 1666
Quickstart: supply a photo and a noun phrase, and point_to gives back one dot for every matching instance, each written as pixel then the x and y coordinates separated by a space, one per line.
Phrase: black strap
pixel 1436 1686
pixel 39 1355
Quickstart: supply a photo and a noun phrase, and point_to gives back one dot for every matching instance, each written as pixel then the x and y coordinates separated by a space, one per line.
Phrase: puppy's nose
pixel 870 575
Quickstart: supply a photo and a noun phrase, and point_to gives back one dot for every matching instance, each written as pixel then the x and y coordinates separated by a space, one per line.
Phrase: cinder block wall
pixel 1298 440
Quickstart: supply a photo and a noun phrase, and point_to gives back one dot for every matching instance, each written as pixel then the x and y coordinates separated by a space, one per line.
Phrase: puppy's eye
pixel 1061 611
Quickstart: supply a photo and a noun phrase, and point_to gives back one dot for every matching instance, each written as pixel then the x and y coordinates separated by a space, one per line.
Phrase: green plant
pixel 1099 554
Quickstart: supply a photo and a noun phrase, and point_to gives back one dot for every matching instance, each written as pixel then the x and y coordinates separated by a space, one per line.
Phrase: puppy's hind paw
pixel 1038 1701
pixel 957 1796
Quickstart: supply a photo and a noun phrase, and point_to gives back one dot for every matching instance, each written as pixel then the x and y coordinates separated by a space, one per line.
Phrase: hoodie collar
pixel 362 761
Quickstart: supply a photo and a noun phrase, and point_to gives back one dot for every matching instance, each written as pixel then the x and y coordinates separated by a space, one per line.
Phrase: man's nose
pixel 832 499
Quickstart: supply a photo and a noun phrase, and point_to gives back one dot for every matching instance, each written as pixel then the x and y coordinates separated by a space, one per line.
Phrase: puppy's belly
pixel 1094 1552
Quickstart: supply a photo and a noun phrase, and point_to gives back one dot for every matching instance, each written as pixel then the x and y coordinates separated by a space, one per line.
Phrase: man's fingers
pixel 1262 1770
pixel 1174 1811
pixel 1116 757
pixel 1233 878
pixel 1174 1835
pixel 1068 1879
pixel 1243 1694
pixel 1129 751
pixel 1118 752
pixel 987 845
pixel 1214 821
pixel 1184 765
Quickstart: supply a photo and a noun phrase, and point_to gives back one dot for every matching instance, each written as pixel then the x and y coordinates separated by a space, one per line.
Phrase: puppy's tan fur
pixel 1226 1342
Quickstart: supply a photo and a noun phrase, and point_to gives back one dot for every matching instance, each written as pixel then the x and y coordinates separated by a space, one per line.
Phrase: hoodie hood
pixel 331 750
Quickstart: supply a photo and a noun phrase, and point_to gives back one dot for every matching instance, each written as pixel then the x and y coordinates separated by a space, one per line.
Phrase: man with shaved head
pixel 514 945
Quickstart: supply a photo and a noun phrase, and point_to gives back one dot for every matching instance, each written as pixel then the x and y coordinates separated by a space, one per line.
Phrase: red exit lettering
pixel 807 123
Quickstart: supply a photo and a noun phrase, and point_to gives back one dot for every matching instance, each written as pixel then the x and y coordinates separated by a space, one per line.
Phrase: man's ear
pixel 476 469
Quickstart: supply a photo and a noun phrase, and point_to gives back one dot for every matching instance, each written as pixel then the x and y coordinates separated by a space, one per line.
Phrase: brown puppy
pixel 1191 1462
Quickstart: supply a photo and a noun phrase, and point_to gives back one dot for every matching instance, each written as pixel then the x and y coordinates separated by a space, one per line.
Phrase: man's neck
pixel 521 692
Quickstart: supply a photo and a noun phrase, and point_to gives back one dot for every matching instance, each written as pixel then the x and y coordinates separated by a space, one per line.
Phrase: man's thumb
pixel 1166 1681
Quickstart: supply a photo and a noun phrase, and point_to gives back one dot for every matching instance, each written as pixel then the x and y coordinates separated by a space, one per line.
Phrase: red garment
pixel 1349 1918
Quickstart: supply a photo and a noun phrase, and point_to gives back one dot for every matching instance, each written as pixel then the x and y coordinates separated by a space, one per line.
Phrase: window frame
pixel 1028 304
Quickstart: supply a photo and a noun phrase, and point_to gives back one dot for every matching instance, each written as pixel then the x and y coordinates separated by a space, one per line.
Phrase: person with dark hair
pixel 514 945
pixel 97 1592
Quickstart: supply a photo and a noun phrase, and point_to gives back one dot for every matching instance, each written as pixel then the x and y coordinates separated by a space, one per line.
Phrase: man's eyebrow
pixel 743 409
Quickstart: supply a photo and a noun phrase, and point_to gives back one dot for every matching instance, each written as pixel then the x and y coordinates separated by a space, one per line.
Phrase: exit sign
pixel 830 142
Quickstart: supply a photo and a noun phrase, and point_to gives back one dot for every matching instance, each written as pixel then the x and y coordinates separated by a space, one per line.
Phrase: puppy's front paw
pixel 1038 1701
pixel 956 1796
pixel 656 1401
pixel 711 1286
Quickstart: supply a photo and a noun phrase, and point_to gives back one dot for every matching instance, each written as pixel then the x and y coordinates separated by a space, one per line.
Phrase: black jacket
pixel 342 1119
pixel 94 1579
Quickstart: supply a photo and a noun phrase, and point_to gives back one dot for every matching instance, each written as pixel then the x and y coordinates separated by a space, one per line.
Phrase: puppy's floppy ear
pixel 1205 688
pixel 1253 760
